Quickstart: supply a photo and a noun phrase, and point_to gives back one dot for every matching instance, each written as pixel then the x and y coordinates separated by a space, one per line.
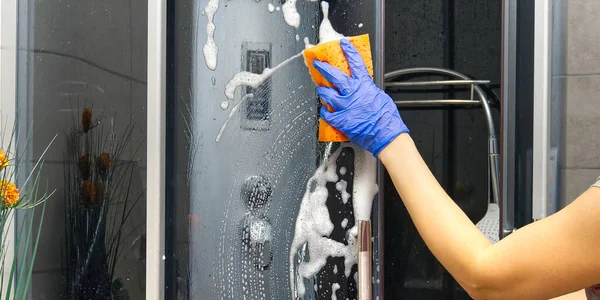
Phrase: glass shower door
pixel 80 69
pixel 242 149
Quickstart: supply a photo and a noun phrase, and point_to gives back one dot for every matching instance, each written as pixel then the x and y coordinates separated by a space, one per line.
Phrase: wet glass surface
pixel 239 168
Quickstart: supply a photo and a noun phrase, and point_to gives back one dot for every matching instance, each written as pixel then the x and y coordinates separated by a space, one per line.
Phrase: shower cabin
pixel 228 117
pixel 240 154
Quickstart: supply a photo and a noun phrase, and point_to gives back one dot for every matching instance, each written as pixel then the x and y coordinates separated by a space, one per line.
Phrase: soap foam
pixel 326 31
pixel 224 105
pixel 307 43
pixel 344 223
pixel 341 186
pixel 313 226
pixel 251 79
pixel 231 113
pixel 334 288
pixel 365 187
pixel 210 50
pixel 290 14
pixel 270 7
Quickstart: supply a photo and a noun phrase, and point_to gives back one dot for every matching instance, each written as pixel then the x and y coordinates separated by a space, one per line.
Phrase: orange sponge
pixel 332 53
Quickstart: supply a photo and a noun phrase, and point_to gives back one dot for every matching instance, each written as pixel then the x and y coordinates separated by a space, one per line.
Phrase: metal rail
pixel 437 103
pixel 435 82
pixel 475 89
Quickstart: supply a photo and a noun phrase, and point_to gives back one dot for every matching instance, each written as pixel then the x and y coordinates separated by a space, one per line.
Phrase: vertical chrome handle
pixel 365 256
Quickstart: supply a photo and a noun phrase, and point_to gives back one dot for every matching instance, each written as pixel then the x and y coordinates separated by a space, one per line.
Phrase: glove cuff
pixel 387 140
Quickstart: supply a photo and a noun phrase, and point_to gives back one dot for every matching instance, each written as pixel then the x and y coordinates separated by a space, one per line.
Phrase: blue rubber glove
pixel 363 112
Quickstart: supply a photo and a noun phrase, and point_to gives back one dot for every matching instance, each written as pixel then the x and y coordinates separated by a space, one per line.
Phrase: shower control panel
pixel 256 57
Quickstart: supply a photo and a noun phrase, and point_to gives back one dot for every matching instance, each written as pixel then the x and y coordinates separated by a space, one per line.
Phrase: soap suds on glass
pixel 341 186
pixel 365 186
pixel 230 116
pixel 271 7
pixel 313 227
pixel 210 50
pixel 326 31
pixel 334 288
pixel 251 79
pixel 290 14
pixel 344 223
pixel 224 104
pixel 307 43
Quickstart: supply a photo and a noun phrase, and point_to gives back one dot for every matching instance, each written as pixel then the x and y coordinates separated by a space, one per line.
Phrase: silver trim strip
pixel 507 172
pixel 542 55
pixel 156 147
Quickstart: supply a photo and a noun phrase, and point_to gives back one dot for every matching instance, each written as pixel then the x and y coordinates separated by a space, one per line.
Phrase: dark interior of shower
pixel 464 36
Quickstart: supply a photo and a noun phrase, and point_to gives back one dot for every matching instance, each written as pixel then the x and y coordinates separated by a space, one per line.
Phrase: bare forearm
pixel 448 232
pixel 521 266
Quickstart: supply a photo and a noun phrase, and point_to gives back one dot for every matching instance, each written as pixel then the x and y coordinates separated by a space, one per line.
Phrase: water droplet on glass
pixel 213 80
pixel 224 105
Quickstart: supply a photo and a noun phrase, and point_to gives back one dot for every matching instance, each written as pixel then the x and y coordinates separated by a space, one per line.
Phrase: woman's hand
pixel 363 112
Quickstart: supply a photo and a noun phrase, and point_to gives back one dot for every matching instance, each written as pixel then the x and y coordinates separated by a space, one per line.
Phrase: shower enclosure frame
pixel 15 33
pixel 156 149
pixel 526 169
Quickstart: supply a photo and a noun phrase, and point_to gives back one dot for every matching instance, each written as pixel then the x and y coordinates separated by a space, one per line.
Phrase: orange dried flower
pixel 3 160
pixel 86 119
pixel 9 193
pixel 105 162
pixel 88 192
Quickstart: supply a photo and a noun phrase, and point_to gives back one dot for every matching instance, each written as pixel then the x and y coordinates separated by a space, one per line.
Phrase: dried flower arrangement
pixel 99 200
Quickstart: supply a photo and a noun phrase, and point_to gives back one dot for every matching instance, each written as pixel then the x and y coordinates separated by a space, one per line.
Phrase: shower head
pixel 489 225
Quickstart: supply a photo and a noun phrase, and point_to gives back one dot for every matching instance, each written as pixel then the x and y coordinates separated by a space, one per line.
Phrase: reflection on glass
pixel 82 75
pixel 100 196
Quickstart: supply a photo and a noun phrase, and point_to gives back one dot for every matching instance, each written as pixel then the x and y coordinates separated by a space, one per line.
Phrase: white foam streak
pixel 307 43
pixel 365 186
pixel 210 50
pixel 334 288
pixel 231 113
pixel 326 31
pixel 290 13
pixel 251 79
pixel 313 226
